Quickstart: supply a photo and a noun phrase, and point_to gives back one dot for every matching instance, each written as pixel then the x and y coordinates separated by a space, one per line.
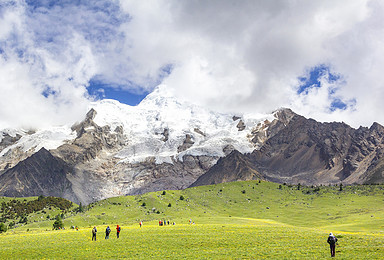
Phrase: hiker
pixel 118 231
pixel 332 243
pixel 141 223
pixel 107 231
pixel 168 222
pixel 94 231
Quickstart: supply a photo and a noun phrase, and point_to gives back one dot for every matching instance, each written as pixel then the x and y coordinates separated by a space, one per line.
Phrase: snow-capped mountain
pixel 159 125
pixel 119 146
pixel 166 144
pixel 156 128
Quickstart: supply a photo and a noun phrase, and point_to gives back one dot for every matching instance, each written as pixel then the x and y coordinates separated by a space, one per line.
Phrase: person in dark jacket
pixel 94 231
pixel 332 243
pixel 107 231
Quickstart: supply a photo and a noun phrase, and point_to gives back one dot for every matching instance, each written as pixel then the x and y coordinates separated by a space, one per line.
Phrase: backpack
pixel 332 240
pixel 94 231
pixel 118 230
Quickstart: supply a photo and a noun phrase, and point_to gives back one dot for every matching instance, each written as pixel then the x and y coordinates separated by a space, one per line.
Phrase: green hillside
pixel 232 220
pixel 355 208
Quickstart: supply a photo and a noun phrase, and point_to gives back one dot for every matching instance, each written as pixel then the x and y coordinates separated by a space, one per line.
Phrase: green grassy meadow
pixel 239 220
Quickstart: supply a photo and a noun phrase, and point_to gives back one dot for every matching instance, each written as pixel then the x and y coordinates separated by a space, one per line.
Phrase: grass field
pixel 241 220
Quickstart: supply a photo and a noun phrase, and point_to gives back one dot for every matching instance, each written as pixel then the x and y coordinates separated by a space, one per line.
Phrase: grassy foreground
pixel 201 241
pixel 241 220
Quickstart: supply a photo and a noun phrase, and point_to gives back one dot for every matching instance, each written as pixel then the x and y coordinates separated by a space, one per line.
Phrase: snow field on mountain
pixel 145 125
pixel 49 138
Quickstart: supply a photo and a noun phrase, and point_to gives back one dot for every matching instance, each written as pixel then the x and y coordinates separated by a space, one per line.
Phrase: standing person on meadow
pixel 94 231
pixel 118 231
pixel 332 243
pixel 107 231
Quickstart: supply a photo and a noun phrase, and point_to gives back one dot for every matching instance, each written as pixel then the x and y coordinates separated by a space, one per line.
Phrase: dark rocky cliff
pixel 233 167
pixel 40 174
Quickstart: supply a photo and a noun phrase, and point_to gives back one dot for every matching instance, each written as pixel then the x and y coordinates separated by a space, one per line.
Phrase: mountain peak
pixel 234 167
pixel 91 114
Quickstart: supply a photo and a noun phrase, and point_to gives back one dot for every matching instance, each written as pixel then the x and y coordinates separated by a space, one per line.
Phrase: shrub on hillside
pixel 3 228
pixel 11 224
pixel 80 208
pixel 23 219
pixel 17 208
pixel 58 224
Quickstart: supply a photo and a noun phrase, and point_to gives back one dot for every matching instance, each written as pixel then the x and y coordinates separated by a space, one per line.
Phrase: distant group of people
pixel 75 227
pixel 165 222
pixel 107 232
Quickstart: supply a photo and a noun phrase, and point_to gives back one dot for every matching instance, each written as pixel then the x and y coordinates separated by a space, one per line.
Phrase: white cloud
pixel 248 55
pixel 228 55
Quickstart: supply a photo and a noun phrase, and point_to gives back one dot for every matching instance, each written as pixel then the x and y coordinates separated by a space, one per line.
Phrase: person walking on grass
pixel 332 243
pixel 94 231
pixel 118 231
pixel 107 231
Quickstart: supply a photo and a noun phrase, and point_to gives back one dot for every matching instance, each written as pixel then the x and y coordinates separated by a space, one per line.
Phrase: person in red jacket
pixel 118 231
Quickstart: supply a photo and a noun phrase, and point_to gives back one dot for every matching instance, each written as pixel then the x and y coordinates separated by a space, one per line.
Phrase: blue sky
pixel 100 90
pixel 323 59
pixel 314 80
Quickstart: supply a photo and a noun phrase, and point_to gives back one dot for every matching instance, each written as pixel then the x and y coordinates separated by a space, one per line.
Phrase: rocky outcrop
pixel 186 144
pixel 91 140
pixel 267 129
pixel 40 174
pixel 233 167
pixel 155 177
pixel 8 140
pixel 197 130
pixel 240 126
pixel 165 134
pixel 12 157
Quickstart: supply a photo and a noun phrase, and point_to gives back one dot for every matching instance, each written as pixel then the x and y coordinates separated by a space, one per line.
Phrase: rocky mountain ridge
pixel 309 152
pixel 165 144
